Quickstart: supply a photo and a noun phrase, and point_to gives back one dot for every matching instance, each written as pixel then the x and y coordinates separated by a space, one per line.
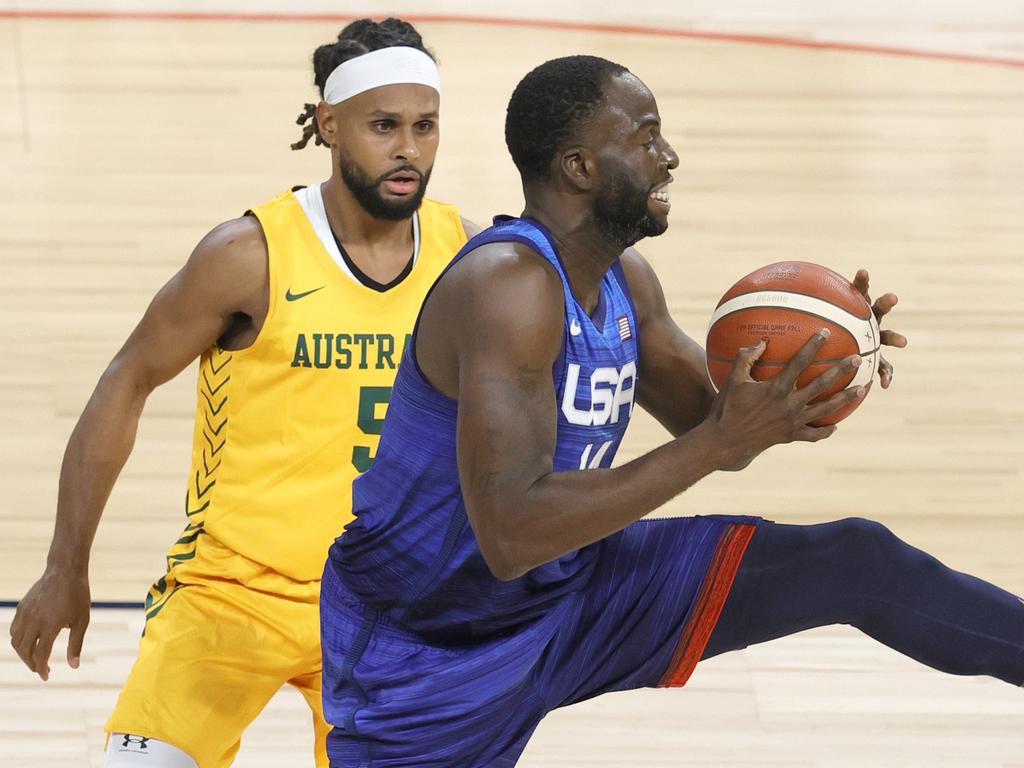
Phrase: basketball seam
pixel 816 361
pixel 856 341
pixel 794 293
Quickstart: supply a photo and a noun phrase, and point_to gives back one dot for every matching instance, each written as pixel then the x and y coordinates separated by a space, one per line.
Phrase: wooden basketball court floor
pixel 122 141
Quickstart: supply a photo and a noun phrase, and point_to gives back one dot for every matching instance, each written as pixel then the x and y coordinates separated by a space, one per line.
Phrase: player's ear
pixel 327 124
pixel 578 165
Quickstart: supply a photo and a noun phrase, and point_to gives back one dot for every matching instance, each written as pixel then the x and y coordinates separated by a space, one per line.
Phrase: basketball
pixel 786 303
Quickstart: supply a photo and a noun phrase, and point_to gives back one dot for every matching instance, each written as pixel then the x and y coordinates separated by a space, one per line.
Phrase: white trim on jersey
pixel 311 199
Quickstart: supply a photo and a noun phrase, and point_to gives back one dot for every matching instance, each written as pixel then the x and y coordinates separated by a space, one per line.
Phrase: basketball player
pixel 497 568
pixel 299 312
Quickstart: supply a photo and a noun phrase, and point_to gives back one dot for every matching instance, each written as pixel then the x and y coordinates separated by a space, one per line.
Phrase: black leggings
pixel 856 572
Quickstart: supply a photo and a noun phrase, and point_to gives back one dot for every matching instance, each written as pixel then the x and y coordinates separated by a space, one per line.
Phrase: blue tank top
pixel 410 553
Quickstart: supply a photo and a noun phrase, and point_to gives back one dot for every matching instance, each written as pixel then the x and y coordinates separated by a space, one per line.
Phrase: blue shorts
pixel 641 620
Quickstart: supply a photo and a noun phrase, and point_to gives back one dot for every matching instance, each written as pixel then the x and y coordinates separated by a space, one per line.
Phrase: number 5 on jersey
pixel 366 418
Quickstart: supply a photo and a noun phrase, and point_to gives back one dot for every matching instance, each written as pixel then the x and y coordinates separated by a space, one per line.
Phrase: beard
pixel 620 212
pixel 367 193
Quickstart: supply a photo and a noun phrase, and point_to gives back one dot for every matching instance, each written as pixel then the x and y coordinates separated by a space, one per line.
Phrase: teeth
pixel 661 195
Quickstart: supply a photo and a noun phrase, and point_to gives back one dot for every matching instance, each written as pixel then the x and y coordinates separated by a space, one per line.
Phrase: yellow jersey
pixel 283 426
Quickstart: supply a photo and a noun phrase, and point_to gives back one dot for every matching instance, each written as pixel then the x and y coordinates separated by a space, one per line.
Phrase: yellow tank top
pixel 284 426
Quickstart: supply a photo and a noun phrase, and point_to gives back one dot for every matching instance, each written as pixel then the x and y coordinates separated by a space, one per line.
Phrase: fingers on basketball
pixel 801 360
pixel 745 359
pixel 819 411
pixel 791 303
pixel 823 382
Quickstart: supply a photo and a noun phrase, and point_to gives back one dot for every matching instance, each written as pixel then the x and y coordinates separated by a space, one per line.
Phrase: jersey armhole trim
pixel 271 287
pixel 486 237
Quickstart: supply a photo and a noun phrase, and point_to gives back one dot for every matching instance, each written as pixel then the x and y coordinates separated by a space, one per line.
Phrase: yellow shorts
pixel 215 653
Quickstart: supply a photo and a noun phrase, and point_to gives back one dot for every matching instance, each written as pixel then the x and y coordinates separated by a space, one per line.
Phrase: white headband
pixel 386 66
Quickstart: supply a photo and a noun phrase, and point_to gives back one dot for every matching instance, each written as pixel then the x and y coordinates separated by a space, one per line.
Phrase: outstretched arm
pixel 223 278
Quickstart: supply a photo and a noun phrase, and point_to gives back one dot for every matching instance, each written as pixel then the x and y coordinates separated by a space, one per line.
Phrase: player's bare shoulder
pixel 496 292
pixel 233 251
pixel 470 228
pixel 503 279
pixel 492 263
pixel 229 269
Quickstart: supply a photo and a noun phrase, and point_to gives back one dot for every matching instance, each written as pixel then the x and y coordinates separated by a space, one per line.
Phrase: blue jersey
pixel 409 553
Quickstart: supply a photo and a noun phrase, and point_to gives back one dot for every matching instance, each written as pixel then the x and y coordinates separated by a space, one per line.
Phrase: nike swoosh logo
pixel 574 327
pixel 289 296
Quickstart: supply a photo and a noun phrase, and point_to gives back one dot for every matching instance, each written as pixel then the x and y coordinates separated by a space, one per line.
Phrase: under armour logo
pixel 140 740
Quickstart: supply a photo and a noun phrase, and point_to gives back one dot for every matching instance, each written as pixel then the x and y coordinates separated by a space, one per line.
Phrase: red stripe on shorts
pixel 708 607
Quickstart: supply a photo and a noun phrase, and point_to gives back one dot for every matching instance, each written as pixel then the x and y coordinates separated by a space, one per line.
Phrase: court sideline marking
pixel 578 26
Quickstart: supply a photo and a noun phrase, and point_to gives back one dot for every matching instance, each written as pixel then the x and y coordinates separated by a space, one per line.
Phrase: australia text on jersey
pixel 348 350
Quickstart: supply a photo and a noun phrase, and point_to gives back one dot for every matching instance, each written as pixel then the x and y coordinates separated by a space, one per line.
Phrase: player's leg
pixel 398 701
pixel 855 571
pixel 309 686
pixel 208 663
pixel 649 607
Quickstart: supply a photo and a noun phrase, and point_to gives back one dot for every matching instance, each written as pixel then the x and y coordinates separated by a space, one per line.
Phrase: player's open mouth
pixel 659 195
pixel 402 183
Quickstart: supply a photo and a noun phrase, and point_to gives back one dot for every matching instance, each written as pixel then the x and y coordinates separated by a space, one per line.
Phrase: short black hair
pixel 359 37
pixel 548 107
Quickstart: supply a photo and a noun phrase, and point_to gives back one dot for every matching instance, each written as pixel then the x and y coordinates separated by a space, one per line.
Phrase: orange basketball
pixel 786 303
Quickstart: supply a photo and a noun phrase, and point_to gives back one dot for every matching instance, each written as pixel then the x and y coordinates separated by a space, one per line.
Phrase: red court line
pixel 578 26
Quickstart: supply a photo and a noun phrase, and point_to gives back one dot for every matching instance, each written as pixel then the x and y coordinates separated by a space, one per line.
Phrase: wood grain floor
pixel 123 142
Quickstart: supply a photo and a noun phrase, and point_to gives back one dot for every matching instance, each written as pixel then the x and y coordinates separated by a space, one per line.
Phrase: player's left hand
pixel 881 308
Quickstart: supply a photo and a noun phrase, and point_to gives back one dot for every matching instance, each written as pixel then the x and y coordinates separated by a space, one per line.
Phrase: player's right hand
pixel 755 415
pixel 59 599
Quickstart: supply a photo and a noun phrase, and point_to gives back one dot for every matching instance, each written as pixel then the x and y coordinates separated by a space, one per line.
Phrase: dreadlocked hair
pixel 359 37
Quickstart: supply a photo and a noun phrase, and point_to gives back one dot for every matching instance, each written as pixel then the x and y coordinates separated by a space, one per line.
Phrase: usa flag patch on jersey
pixel 624 329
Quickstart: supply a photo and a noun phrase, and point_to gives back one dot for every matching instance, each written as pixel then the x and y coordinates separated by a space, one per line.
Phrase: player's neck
pixel 586 253
pixel 356 229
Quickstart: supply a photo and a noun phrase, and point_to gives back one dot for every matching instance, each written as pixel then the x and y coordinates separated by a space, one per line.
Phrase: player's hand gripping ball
pixel 785 303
